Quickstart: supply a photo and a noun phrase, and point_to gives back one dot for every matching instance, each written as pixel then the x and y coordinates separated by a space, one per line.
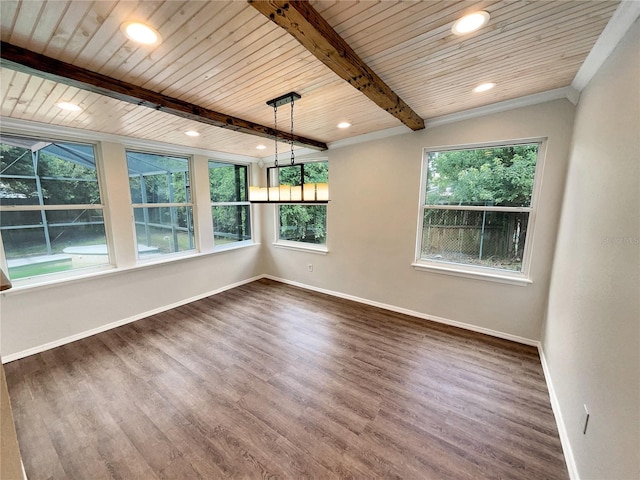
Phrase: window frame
pixel 522 277
pixel 319 248
pixel 53 277
pixel 246 202
pixel 191 203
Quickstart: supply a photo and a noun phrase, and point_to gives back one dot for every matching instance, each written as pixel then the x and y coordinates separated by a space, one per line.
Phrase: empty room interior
pixel 325 239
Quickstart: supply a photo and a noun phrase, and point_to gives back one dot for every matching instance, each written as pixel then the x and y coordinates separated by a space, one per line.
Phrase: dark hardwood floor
pixel 268 380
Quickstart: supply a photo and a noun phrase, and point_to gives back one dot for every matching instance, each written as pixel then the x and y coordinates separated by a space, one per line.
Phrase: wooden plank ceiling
pixel 226 56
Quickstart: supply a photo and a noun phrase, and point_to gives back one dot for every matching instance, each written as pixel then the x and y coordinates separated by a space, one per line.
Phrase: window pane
pixel 158 178
pixel 20 218
pixel 231 224
pixel 18 191
pixel 87 217
pixel 228 182
pixel 163 230
pixel 73 239
pixel 35 171
pixel 291 175
pixel 16 156
pixel 303 223
pixel 67 192
pixel 316 172
pixel 488 239
pixel 67 172
pixel 500 176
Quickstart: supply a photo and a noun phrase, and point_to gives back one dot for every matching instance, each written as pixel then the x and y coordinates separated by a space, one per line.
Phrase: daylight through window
pixel 162 206
pixel 477 206
pixel 230 206
pixel 51 215
pixel 302 223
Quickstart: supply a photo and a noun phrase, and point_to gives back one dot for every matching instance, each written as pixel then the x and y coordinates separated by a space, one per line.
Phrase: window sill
pixel 311 248
pixel 490 276
pixel 36 283
pixel 233 246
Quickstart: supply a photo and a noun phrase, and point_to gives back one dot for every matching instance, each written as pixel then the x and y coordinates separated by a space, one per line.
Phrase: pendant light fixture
pixel 308 193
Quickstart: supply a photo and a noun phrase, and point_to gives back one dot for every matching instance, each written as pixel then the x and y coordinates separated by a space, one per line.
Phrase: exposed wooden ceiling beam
pixel 306 25
pixel 26 61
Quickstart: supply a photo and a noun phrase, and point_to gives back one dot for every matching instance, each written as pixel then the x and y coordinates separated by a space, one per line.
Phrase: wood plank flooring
pixel 268 380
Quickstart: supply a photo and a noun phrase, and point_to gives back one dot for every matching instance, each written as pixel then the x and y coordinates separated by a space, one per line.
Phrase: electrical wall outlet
pixel 310 267
pixel 585 420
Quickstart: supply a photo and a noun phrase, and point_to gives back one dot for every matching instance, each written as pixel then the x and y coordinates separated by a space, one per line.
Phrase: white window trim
pixel 477 273
pixel 292 245
pixel 122 250
pixel 230 246
pixel 522 277
pixel 48 135
pixel 192 204
pixel 319 248
pixel 42 282
pixel 226 246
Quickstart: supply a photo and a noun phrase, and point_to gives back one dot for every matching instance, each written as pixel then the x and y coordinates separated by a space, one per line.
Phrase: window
pixel 476 207
pixel 162 208
pixel 229 203
pixel 51 215
pixel 302 223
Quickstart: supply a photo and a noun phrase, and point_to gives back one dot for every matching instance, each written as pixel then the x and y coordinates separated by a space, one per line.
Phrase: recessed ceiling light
pixel 484 87
pixel 470 23
pixel 141 33
pixel 192 133
pixel 72 107
pixel 261 147
pixel 344 125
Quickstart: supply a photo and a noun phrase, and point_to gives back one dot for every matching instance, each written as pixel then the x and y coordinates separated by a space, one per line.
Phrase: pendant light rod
pixel 284 99
pixel 305 193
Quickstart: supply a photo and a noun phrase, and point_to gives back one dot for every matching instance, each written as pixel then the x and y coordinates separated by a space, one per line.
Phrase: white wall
pixel 592 333
pixel 372 223
pixel 44 315
pixel 34 318
pixel 371 242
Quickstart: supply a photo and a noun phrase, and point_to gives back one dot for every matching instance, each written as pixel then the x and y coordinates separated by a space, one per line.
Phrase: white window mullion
pixel 200 197
pixel 478 208
pixel 25 208
pixel 158 205
pixel 117 201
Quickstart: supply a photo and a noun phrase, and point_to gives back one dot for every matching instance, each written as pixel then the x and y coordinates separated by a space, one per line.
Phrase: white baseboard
pixel 562 430
pixel 393 308
pixel 413 313
pixel 109 326
pixel 564 438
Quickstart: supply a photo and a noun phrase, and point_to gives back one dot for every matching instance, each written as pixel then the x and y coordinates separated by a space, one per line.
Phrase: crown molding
pixel 568 93
pixel 284 156
pixel 368 137
pixel 28 127
pixel 621 21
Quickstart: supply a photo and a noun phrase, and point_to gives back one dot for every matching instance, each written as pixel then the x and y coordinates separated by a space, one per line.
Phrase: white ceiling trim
pixel 368 137
pixel 621 21
pixel 565 92
pixel 26 127
pixel 284 157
